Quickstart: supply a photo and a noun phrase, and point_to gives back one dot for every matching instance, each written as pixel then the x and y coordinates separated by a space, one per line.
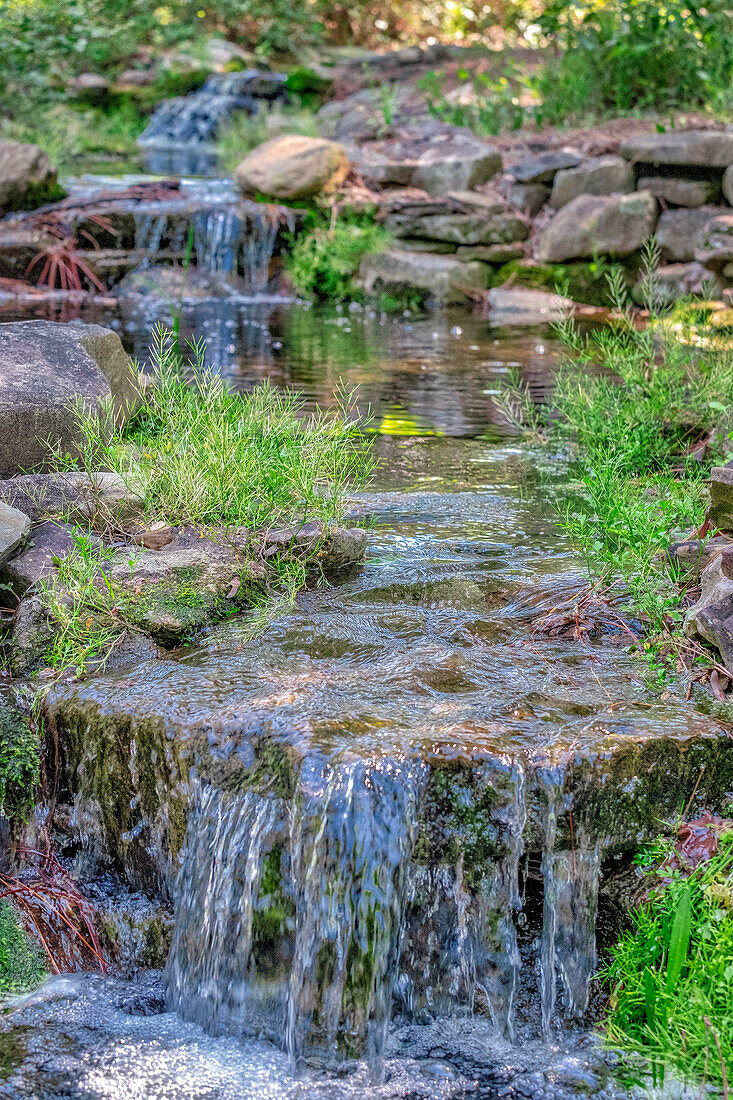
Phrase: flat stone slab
pixel 75 497
pixel 444 278
pixel 543 167
pixel 524 306
pixel 700 148
pixel 436 162
pixel 715 247
pixel 681 192
pixel 596 176
pixel 14 530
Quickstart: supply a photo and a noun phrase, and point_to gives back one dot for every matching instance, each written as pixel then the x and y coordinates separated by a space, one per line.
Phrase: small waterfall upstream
pixel 313 920
pixel 230 242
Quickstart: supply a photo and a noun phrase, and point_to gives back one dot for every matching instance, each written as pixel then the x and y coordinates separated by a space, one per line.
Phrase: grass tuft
pixel 671 974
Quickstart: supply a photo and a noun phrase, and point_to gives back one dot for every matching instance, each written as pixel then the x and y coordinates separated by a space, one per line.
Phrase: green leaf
pixel 680 940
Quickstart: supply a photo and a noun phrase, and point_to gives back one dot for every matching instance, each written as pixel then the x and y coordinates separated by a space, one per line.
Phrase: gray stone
pixel 442 248
pixel 597 176
pixel 694 554
pixel 75 497
pixel 443 278
pixel 50 542
pixel 14 530
pixel 543 167
pixel 599 225
pixel 528 197
pixel 44 369
pixel 496 226
pixel 712 616
pixel 491 253
pixel 436 163
pixel 721 498
pixel 728 184
pixel 679 232
pixel 681 192
pixel 27 179
pixel 706 148
pixel 715 248
pixel 674 281
pixel 525 306
pixel 31 637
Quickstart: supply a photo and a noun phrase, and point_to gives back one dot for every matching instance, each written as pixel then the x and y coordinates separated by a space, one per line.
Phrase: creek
pixel 387 823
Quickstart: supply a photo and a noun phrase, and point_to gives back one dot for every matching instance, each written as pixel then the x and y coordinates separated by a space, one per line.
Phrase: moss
pixel 20 759
pixel 458 820
pixel 583 282
pixel 273 772
pixel 22 962
pixel 13 1049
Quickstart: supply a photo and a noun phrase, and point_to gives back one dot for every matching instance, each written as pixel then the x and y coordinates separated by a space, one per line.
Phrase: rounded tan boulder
pixel 293 167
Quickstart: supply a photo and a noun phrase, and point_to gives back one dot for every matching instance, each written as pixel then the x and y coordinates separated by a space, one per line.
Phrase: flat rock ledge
pixel 168 595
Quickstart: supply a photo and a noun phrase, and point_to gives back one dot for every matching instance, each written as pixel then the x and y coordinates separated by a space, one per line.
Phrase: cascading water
pixel 568 943
pixel 349 835
pixel 230 242
pixel 181 132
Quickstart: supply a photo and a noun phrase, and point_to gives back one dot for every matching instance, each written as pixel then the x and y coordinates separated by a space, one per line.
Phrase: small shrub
pixel 495 103
pixel 324 260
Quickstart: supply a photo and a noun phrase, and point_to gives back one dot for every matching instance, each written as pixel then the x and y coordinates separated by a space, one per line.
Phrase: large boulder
pixel 293 167
pixel 599 225
pixel 698 148
pixel 437 162
pixel 679 232
pixel 443 278
pixel 44 369
pixel 27 178
pixel 597 176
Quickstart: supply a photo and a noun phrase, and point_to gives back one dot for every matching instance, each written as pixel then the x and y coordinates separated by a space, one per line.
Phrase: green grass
pixel 72 134
pixel 22 962
pixel 201 456
pixel 325 259
pixel 671 974
pixel 628 405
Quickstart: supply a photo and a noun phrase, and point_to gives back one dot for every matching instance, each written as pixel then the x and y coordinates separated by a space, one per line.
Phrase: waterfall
pixel 195 119
pixel 208 972
pixel 568 942
pixel 233 242
pixel 304 919
pixel 350 835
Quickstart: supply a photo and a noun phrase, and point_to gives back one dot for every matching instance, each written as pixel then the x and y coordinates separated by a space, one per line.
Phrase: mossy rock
pixel 20 757
pixel 22 967
pixel 586 283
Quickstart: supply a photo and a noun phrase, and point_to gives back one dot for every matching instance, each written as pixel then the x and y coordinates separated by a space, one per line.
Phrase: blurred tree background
pixel 552 61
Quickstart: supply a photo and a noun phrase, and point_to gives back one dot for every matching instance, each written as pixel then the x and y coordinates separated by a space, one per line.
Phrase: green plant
pixel 615 55
pixel 634 405
pixel 672 973
pixel 493 103
pixel 20 753
pixel 325 258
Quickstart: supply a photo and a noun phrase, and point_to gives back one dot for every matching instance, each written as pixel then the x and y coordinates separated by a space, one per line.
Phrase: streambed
pixel 393 806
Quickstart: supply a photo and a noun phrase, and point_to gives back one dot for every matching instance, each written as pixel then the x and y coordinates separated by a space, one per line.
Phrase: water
pixel 181 134
pixel 397 798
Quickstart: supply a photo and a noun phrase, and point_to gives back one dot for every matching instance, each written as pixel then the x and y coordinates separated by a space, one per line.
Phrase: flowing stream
pixel 404 903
